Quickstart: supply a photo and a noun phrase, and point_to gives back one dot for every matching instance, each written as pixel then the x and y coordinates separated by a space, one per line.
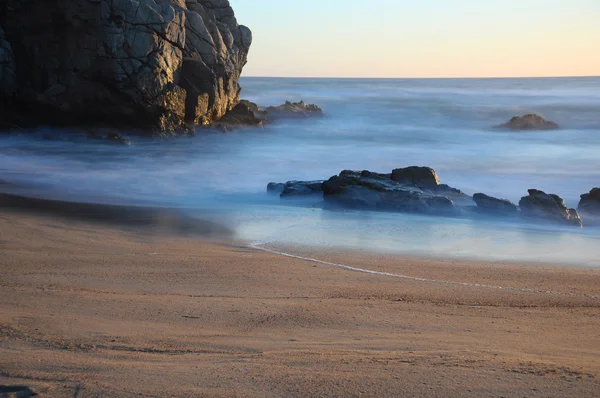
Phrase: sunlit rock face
pixel 149 64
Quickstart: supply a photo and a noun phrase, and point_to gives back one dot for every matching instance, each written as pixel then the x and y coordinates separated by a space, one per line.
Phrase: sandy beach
pixel 97 301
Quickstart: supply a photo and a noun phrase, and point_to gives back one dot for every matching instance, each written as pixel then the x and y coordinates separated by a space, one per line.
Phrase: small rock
pixel 529 122
pixel 293 110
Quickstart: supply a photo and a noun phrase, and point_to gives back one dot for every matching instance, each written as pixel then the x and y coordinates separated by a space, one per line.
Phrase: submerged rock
pixel 490 205
pixel 148 64
pixel 590 203
pixel 548 207
pixel 529 122
pixel 275 188
pixel 302 188
pixel 110 138
pixel 293 110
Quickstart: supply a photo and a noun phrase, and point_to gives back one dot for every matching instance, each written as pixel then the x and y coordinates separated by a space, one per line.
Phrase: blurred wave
pixel 375 124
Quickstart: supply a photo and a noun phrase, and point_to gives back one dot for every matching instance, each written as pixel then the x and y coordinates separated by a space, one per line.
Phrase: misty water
pixel 370 124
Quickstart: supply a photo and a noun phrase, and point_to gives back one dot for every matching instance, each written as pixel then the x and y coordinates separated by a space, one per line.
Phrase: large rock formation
pixel 152 64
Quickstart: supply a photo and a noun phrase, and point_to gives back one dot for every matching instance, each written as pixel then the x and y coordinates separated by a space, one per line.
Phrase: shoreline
pixel 174 221
pixel 107 309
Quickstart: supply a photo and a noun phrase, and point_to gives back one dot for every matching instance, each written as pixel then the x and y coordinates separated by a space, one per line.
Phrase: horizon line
pixel 421 78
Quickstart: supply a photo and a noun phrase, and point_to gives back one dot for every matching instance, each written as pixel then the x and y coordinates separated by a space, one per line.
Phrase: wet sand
pixel 149 303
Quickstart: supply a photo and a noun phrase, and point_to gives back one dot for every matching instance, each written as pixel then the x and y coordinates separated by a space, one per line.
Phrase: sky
pixel 422 38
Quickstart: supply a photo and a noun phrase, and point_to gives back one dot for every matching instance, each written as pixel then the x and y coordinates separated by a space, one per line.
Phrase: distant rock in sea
pixel 152 65
pixel 529 122
pixel 293 110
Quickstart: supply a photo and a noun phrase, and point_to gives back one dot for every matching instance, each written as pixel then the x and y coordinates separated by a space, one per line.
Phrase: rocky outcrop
pixel 374 191
pixel 590 203
pixel 530 121
pixel 151 64
pixel 293 110
pixel 493 206
pixel 247 114
pixel 377 191
pixel 418 190
pixel 541 206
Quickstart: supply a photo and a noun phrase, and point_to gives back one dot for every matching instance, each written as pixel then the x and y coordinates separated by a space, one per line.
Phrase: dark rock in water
pixel 245 113
pixel 590 203
pixel 548 207
pixel 458 197
pixel 151 64
pixel 302 188
pixel 490 205
pixel 275 188
pixel 293 110
pixel 375 191
pixel 421 177
pixel 117 139
pixel 255 109
pixel 529 122
pixel 111 138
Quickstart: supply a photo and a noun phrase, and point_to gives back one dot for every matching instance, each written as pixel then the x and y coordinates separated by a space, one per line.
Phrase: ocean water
pixel 374 124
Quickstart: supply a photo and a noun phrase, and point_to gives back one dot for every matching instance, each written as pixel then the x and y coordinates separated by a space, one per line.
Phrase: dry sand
pixel 160 306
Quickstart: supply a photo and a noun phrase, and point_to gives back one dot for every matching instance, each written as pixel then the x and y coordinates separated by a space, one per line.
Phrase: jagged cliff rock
pixel 152 64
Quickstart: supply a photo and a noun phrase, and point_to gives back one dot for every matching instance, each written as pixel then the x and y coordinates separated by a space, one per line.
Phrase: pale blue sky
pixel 422 38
